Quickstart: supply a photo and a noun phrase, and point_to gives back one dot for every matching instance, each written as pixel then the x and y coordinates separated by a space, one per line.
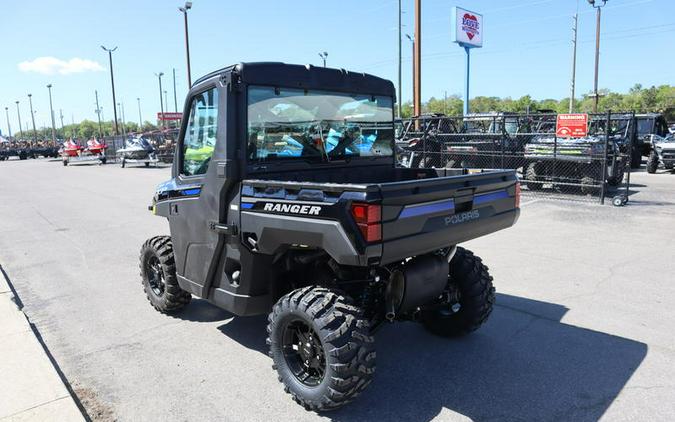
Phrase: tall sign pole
pixel 417 60
pixel 468 33
pixel 400 40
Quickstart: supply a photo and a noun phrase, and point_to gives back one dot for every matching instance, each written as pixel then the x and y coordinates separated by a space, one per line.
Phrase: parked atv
pixel 646 125
pixel 662 153
pixel 331 241
pixel 569 163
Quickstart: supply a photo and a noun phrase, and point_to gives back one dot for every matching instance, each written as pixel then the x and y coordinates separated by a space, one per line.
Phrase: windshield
pixel 644 126
pixel 297 124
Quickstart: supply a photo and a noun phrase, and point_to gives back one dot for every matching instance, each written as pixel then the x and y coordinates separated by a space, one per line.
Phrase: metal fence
pixel 582 168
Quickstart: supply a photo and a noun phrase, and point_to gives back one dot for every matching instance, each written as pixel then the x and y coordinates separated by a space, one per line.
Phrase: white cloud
pixel 52 65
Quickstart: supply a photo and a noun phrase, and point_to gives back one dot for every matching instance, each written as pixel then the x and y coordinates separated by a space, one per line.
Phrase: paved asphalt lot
pixel 584 327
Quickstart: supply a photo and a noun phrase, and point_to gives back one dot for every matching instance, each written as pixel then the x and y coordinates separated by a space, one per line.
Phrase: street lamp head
pixel 49 86
pixel 30 95
pixel 188 5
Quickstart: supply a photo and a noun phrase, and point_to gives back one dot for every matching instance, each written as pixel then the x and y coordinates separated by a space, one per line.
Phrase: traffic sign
pixel 574 125
pixel 169 116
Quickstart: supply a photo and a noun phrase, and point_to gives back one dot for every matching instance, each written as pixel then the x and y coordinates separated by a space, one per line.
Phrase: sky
pixel 526 47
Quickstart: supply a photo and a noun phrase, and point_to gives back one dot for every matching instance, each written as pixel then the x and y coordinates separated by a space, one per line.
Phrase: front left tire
pixel 158 276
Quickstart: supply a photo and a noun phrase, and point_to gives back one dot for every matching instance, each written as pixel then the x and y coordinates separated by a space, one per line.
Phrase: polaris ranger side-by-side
pixel 580 162
pixel 299 211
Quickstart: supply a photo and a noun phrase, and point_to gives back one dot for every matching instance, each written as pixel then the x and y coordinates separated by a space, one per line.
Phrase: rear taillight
pixel 368 217
pixel 517 194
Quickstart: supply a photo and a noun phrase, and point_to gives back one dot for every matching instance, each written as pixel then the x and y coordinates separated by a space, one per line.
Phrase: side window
pixel 200 134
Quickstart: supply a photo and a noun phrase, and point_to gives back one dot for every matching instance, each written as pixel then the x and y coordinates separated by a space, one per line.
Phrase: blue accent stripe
pixel 490 196
pixel 246 205
pixel 416 210
pixel 189 192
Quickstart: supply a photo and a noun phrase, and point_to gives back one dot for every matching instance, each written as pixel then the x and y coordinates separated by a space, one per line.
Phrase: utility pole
pixel 445 102
pixel 98 115
pixel 161 101
pixel 140 119
pixel 417 59
pixel 400 40
pixel 18 114
pixel 32 116
pixel 9 127
pixel 175 99
pixel 112 81
pixel 412 43
pixel 598 8
pixel 61 116
pixel 574 61
pixel 188 6
pixel 51 112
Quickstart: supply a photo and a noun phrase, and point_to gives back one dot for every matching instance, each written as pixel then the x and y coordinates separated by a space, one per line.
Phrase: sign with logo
pixel 571 125
pixel 169 116
pixel 468 26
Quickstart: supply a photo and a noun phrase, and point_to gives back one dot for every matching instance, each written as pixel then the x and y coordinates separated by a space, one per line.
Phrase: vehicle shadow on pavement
pixel 524 364
pixel 200 310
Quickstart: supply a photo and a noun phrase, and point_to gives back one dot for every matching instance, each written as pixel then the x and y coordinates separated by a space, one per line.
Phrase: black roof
pixel 306 77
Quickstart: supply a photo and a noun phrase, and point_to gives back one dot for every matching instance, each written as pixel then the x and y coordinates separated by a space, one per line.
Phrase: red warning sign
pixel 571 125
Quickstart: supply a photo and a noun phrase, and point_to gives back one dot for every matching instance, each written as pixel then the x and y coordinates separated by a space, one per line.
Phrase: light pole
pixel 597 7
pixel 18 114
pixel 175 99
pixel 324 56
pixel 51 111
pixel 161 101
pixel 98 116
pixel 32 116
pixel 140 119
pixel 112 82
pixel 9 127
pixel 124 126
pixel 188 6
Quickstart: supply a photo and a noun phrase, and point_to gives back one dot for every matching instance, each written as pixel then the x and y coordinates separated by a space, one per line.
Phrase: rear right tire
pixel 472 303
pixel 652 162
pixel 532 177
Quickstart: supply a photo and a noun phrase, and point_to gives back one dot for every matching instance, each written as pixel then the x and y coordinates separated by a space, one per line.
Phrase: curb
pixel 33 385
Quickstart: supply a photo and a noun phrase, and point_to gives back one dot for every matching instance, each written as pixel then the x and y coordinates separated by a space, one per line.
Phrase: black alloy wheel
pixel 303 352
pixel 155 276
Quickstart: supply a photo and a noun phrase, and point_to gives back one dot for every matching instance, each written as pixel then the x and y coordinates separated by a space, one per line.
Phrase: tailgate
pixel 420 216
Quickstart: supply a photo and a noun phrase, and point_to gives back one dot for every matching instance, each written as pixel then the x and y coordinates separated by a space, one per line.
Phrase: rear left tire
pixel 321 347
pixel 652 162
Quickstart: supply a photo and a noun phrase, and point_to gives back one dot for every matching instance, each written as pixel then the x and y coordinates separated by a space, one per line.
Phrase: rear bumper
pixel 454 233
